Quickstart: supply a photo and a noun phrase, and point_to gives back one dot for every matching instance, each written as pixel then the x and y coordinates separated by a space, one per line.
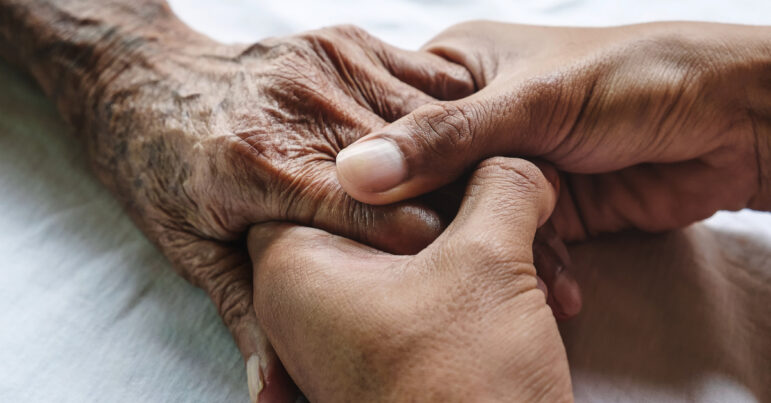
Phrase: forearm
pixel 76 49
pixel 100 61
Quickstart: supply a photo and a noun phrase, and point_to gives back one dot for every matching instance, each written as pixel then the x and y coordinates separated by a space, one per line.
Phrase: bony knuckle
pixel 320 40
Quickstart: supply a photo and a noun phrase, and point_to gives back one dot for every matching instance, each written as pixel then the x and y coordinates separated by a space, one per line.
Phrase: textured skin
pixel 654 126
pixel 199 140
pixel 460 321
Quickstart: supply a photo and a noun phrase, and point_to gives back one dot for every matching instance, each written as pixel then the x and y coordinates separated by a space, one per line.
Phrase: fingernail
pixel 254 378
pixel 372 166
pixel 567 294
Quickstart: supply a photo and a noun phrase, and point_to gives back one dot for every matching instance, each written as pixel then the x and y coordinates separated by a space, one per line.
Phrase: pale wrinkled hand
pixel 460 321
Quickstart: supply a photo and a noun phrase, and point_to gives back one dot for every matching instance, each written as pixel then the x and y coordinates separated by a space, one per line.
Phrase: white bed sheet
pixel 92 312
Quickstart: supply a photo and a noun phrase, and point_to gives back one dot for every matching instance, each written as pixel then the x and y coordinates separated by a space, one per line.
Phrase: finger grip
pixel 418 153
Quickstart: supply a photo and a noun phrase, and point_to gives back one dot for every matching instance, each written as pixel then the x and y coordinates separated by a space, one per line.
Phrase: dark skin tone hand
pixel 653 126
pixel 200 140
pixel 460 321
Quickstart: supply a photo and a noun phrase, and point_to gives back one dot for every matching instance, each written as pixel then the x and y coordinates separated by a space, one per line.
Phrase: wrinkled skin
pixel 251 139
pixel 200 140
pixel 654 126
pixel 460 321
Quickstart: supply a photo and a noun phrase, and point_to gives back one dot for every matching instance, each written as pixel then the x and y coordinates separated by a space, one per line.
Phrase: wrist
pixel 732 63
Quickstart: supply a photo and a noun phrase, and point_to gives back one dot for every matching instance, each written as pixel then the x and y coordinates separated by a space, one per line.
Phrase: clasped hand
pixel 460 321
pixel 644 122
pixel 324 145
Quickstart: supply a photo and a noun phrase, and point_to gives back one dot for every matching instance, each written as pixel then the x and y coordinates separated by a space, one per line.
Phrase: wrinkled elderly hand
pixel 200 140
pixel 461 321
pixel 214 144
pixel 655 125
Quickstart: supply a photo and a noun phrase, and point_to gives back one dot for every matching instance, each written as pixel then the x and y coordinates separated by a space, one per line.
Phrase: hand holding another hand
pixel 654 126
pixel 460 321
pixel 199 140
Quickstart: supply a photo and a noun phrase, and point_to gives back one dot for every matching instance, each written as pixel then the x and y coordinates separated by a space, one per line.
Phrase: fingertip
pixel 269 382
pixel 567 294
pixel 553 263
pixel 548 172
pixel 453 81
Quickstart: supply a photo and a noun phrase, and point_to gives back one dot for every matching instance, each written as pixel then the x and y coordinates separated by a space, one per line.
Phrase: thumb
pixel 491 238
pixel 506 200
pixel 490 249
pixel 433 146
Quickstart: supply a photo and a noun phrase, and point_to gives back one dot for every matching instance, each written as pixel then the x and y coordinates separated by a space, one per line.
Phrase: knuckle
pixel 317 200
pixel 305 194
pixel 472 25
pixel 446 127
pixel 318 42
